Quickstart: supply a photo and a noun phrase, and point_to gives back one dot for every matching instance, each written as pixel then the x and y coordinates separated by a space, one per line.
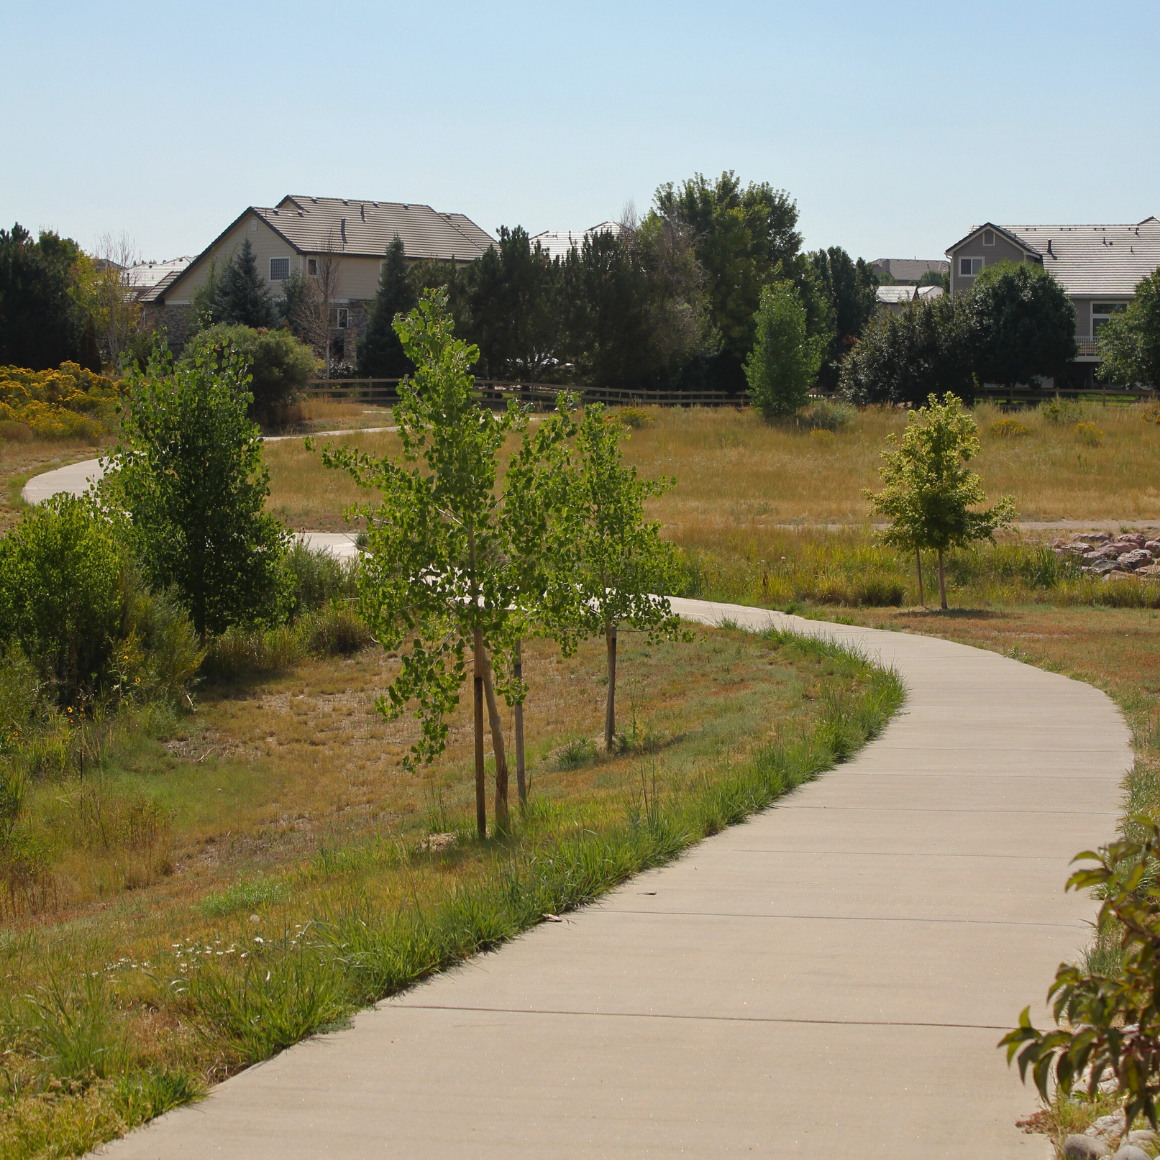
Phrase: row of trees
pixel 668 302
pixel 1016 325
pixel 58 303
pixel 461 564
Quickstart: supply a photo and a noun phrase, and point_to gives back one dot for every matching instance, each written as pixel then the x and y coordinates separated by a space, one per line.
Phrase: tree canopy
pixel 1130 342
pixel 189 481
pixel 784 361
pixel 41 323
pixel 905 356
pixel 1022 324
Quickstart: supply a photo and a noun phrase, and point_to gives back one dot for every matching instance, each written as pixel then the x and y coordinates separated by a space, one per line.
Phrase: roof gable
pixel 1004 232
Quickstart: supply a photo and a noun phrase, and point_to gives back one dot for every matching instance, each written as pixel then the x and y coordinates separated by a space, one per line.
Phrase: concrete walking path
pixel 827 979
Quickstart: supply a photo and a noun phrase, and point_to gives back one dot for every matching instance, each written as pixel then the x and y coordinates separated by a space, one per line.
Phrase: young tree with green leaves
pixel 189 481
pixel 1130 342
pixel 785 360
pixel 437 574
pixel 929 490
pixel 380 353
pixel 241 296
pixel 609 564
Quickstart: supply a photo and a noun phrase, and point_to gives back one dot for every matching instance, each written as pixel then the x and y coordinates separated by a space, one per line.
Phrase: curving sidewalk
pixel 829 978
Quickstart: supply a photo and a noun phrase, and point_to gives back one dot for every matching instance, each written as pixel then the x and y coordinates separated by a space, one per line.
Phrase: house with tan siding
pixel 293 236
pixel 1098 265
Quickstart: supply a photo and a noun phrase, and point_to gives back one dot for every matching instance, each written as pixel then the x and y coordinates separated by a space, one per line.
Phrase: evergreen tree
pixel 242 296
pixel 380 352
pixel 40 324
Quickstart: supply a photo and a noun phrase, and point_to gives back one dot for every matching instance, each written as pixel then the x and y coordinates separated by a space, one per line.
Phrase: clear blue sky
pixel 894 126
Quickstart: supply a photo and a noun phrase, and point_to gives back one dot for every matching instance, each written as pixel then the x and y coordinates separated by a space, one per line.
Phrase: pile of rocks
pixel 1106 1138
pixel 1112 557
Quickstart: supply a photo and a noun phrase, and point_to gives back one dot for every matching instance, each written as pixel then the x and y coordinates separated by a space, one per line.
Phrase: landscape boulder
pixel 1083 1148
pixel 1137 558
pixel 1131 539
pixel 1153 546
pixel 1151 570
pixel 1130 1152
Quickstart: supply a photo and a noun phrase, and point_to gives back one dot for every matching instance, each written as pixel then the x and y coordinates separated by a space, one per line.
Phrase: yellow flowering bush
pixel 68 403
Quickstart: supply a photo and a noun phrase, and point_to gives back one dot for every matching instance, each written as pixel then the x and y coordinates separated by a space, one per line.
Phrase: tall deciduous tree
pixel 851 287
pixel 1022 324
pixel 190 480
pixel 437 573
pixel 241 296
pixel 380 353
pixel 1130 342
pixel 740 237
pixel 903 357
pixel 929 489
pixel 611 565
pixel 784 361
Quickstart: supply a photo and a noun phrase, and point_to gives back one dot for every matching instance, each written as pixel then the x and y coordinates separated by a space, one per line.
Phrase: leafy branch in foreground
pixel 1112 1019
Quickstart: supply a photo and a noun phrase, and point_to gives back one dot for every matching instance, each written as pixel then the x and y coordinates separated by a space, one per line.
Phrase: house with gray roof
pixel 558 243
pixel 908 270
pixel 1098 265
pixel 895 299
pixel 291 237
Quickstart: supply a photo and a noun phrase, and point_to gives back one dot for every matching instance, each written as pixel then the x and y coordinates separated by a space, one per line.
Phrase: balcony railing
pixel 1085 346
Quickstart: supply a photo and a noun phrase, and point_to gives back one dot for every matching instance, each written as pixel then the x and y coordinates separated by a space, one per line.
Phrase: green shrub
pixel 1061 411
pixel 279 364
pixel 60 572
pixel 633 416
pixel 1089 434
pixel 336 630
pixel 1009 429
pixel 319 577
pixel 825 415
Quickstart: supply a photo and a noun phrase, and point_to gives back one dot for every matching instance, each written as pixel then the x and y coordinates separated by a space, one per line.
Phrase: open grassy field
pixel 223 884
pixel 736 475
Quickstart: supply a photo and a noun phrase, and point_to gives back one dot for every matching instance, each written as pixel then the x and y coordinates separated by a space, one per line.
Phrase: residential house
pixel 143 277
pixel 895 299
pixel 1098 266
pixel 557 243
pixel 907 271
pixel 299 233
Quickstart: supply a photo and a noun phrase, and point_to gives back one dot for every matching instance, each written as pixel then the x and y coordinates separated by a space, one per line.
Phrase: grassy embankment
pixel 226 883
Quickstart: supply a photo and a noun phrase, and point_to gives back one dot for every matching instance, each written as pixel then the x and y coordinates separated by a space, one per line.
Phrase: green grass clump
pixel 242 896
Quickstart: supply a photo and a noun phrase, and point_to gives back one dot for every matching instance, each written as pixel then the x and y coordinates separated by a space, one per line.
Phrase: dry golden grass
pixel 736 473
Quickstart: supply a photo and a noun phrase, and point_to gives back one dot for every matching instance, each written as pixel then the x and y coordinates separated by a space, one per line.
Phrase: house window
pixel 343 316
pixel 279 269
pixel 1103 312
pixel 312 267
pixel 969 267
pixel 988 237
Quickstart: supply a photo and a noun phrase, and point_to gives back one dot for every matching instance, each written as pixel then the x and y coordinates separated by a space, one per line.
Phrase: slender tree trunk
pixel 918 561
pixel 942 583
pixel 521 779
pixel 497 748
pixel 480 796
pixel 610 711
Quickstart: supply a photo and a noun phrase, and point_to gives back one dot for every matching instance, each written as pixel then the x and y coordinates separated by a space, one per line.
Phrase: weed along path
pixel 829 978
